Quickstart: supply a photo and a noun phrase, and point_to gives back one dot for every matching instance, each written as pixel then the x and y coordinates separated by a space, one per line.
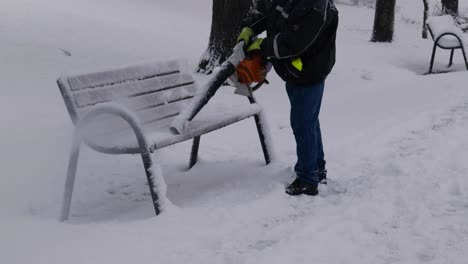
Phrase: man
pixel 300 44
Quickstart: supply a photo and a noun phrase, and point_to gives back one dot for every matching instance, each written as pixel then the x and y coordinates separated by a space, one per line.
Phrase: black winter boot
pixel 322 175
pixel 298 187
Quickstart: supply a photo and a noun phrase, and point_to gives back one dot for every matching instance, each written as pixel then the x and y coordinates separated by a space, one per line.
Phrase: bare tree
pixel 426 15
pixel 225 26
pixel 384 21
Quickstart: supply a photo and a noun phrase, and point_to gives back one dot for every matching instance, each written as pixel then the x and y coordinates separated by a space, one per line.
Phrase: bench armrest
pixel 117 110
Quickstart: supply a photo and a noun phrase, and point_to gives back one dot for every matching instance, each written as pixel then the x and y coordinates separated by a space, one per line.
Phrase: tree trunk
pixel 225 26
pixel 384 21
pixel 426 15
pixel 450 7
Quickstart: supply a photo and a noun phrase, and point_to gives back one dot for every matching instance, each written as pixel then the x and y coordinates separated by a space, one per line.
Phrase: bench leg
pixel 465 58
pixel 451 58
pixel 194 152
pixel 432 58
pixel 70 181
pixel 148 163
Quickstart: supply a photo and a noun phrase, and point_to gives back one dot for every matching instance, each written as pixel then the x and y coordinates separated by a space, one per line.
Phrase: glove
pixel 255 46
pixel 245 35
pixel 251 69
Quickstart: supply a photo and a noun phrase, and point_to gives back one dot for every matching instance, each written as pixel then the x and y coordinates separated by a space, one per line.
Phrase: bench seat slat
pixel 114 76
pixel 105 124
pixel 203 125
pixel 130 89
pixel 153 99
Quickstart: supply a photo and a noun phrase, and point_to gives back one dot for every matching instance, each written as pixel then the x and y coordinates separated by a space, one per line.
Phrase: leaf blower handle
pixel 238 54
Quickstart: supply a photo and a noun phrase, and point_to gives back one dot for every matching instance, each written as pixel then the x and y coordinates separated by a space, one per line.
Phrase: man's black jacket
pixel 304 29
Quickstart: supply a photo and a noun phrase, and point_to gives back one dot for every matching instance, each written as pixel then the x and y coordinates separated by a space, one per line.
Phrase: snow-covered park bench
pixel 447 35
pixel 129 111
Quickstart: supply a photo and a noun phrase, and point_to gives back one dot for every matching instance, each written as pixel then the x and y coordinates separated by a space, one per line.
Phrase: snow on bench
pixel 447 35
pixel 129 110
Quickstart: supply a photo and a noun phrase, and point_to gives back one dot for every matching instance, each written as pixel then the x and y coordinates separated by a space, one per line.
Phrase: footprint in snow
pixel 262 244
pixel 367 76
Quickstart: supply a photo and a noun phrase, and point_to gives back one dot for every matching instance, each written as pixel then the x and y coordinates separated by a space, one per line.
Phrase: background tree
pixel 384 21
pixel 426 15
pixel 450 7
pixel 226 21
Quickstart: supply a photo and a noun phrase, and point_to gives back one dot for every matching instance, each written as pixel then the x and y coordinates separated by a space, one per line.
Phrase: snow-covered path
pixel 395 141
pixel 407 204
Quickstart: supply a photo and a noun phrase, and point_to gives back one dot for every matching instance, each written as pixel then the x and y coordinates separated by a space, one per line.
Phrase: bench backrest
pixel 440 25
pixel 154 92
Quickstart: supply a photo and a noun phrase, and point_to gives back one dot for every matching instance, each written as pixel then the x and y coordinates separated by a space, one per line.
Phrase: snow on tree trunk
pixel 450 7
pixel 225 26
pixel 384 21
pixel 426 15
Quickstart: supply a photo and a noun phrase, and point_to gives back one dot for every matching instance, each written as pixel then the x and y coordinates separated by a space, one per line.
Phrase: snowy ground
pixel 395 141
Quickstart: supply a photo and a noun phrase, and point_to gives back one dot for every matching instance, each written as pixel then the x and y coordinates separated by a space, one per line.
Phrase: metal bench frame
pixel 436 44
pixel 145 148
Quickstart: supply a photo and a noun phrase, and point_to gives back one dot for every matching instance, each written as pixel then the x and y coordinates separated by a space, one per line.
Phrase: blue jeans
pixel 306 101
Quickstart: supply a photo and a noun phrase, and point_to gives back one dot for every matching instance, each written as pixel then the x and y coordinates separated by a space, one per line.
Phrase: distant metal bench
pixel 129 110
pixel 447 35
